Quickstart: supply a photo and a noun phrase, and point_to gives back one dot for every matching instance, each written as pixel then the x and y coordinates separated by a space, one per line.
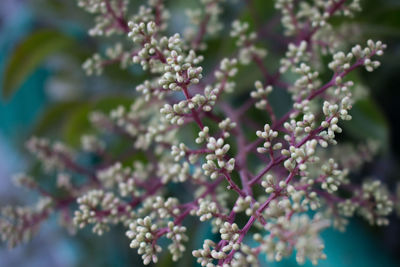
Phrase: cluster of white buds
pixel 268 134
pixel 262 94
pixel 206 209
pixel 347 207
pixel 300 155
pixel 209 13
pixel 227 70
pixel 203 135
pixel 118 175
pixel 269 184
pixel 128 120
pixel 165 208
pixel 100 209
pixel 306 83
pixel 19 224
pixel 181 71
pixel 300 200
pixel 144 13
pixel 92 143
pixel 203 255
pixel 179 151
pixel 351 156
pixel 381 204
pixel 333 112
pixel 177 235
pixel 229 232
pixel 287 8
pixel 226 126
pixel 176 172
pixel 150 90
pixel 210 94
pixel 246 256
pixel 93 65
pixel 107 20
pixel 220 150
pixel 24 180
pixel 282 239
pixel 334 176
pixel 245 42
pixel 294 55
pixel 143 233
pixel 342 61
pixel 160 14
pixel 53 156
pixel 175 114
pixel 242 203
pixel 239 30
pixel 118 54
pixel 296 17
pixel 144 33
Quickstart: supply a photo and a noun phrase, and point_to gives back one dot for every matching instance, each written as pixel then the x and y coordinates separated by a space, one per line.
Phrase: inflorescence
pixel 305 182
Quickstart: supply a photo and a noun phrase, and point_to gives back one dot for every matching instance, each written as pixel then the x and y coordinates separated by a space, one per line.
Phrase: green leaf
pixel 108 103
pixel 54 116
pixel 368 122
pixel 29 54
pixel 77 124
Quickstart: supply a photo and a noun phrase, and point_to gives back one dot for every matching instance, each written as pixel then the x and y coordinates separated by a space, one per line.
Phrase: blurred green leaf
pixel 108 103
pixel 30 53
pixel 54 116
pixel 368 122
pixel 77 124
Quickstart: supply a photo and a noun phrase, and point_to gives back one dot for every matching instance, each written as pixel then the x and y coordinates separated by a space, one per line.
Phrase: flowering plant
pixel 289 177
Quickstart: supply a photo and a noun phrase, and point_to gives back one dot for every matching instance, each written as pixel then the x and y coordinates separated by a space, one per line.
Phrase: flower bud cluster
pixel 262 94
pixel 100 209
pixel 143 233
pixel 19 224
pixel 245 41
pixel 297 17
pixel 180 70
pixel 227 70
pixel 334 176
pixel 268 134
pixel 175 172
pixel 52 156
pixel 282 239
pixel 220 150
pixel 342 61
pixel 150 90
pixel 294 55
pixel 177 234
pixel 306 83
pixel 107 22
pixel 206 18
pixel 24 180
pixel 117 175
pixel 377 194
pixel 206 209
pixel 91 143
pixel 295 169
pixel 94 65
pixel 227 126
pixel 204 256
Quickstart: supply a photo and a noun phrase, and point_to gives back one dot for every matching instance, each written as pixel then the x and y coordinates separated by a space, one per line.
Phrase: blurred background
pixel 47 94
